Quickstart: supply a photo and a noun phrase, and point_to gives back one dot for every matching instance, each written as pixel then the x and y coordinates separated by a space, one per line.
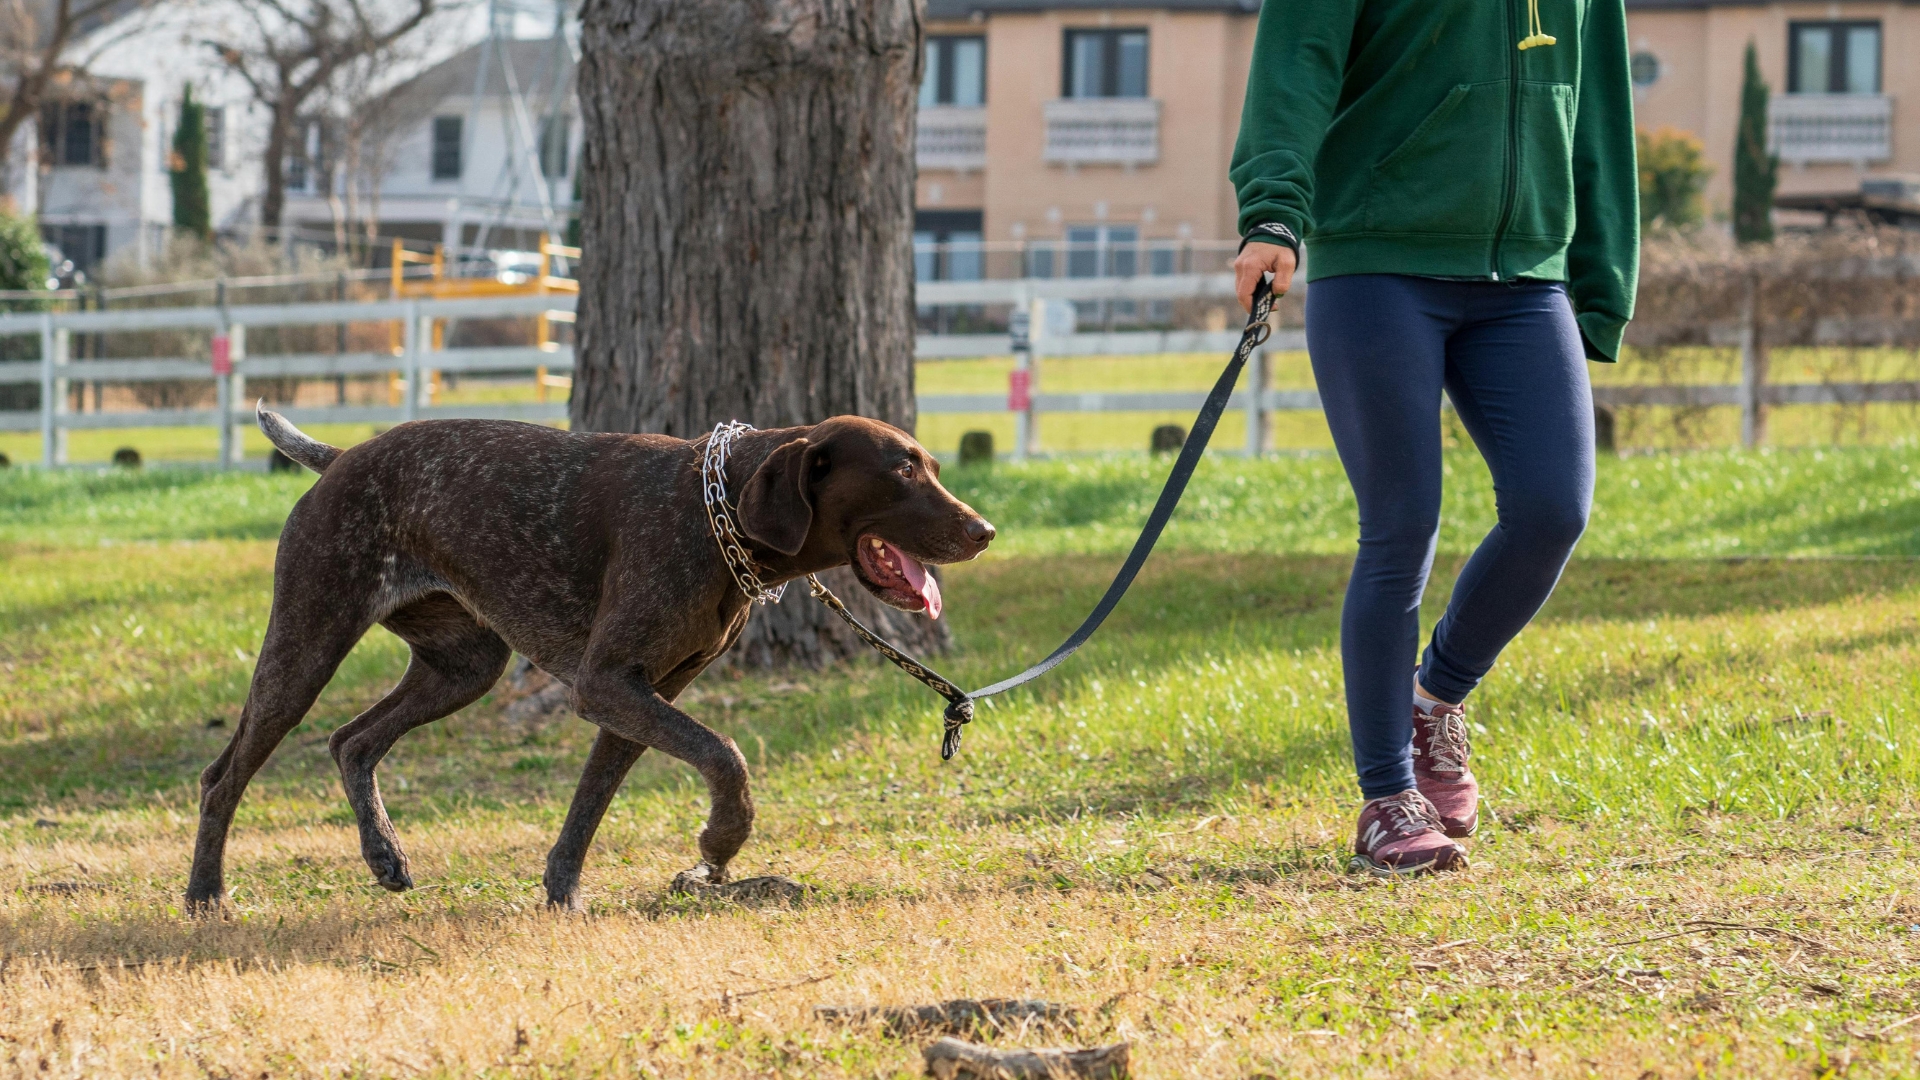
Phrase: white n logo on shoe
pixel 1373 836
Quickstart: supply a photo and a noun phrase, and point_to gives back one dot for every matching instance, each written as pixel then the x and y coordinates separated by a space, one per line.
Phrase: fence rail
pixel 57 370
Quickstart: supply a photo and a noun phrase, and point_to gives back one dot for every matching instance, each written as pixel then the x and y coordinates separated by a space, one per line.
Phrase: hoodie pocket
pixel 1448 176
pixel 1543 203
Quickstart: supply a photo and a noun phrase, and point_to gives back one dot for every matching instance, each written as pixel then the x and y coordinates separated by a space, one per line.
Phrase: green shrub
pixel 187 170
pixel 1673 177
pixel 1755 172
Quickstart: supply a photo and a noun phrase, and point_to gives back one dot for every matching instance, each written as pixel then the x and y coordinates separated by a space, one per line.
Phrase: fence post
pixel 222 363
pixel 1753 369
pixel 1256 403
pixel 50 397
pixel 410 361
pixel 340 338
pixel 235 429
pixel 1021 325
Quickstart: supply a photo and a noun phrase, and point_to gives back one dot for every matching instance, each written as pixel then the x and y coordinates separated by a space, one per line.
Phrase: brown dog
pixel 589 554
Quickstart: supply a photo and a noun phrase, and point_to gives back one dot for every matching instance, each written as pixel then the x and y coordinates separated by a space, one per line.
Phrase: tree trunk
pixel 747 235
pixel 273 199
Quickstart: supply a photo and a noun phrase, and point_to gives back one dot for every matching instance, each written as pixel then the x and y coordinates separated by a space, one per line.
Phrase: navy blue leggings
pixel 1510 359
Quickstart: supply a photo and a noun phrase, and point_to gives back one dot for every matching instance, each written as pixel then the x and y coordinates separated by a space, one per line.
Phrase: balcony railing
pixel 1103 131
pixel 1831 127
pixel 951 137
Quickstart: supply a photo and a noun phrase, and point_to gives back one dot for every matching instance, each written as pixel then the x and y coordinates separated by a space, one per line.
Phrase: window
pixel 553 146
pixel 1833 58
pixel 306 162
pixel 956 72
pixel 446 147
pixel 216 121
pixel 1644 68
pixel 74 133
pixel 946 245
pixel 1105 64
pixel 82 245
pixel 1103 251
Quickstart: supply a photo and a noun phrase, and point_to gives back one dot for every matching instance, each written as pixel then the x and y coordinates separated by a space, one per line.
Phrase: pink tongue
pixel 918 577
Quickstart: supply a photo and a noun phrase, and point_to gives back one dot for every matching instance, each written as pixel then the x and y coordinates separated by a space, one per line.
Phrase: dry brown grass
pixel 1213 966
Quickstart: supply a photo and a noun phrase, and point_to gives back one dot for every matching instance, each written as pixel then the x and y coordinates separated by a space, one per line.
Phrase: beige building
pixel 1074 137
pixel 1079 138
pixel 1845 80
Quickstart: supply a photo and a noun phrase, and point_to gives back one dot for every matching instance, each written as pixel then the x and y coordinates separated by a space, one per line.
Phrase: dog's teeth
pixel 875 541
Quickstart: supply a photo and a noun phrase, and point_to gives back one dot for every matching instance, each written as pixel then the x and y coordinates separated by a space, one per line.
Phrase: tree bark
pixel 747 236
pixel 273 198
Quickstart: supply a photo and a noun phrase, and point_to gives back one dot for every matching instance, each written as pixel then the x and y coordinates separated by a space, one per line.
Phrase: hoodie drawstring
pixel 1536 34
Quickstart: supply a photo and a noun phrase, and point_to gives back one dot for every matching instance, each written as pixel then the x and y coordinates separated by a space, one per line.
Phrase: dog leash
pixel 959 710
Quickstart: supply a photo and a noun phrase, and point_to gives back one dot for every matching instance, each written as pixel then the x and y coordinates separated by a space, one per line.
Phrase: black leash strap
pixel 960 702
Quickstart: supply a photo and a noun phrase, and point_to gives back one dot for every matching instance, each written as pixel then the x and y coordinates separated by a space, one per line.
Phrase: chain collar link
pixel 720 514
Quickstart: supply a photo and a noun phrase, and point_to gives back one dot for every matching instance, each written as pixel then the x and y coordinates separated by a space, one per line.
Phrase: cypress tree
pixel 1755 172
pixel 188 172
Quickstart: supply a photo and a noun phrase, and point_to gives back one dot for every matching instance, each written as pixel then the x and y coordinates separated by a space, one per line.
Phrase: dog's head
pixel 859 491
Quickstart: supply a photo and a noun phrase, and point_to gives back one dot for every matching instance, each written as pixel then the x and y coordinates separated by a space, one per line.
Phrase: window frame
pixel 458 149
pixel 939 228
pixel 55 127
pixel 1837 63
pixel 1109 60
pixel 213 120
pixel 945 45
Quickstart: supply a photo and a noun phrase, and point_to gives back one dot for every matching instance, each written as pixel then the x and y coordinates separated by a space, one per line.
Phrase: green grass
pixel 1850 501
pixel 1701 773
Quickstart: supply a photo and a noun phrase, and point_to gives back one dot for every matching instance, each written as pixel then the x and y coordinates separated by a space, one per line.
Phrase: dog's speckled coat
pixel 591 555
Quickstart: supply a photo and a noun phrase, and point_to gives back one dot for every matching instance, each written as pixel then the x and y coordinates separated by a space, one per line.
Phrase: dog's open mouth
pixel 898 577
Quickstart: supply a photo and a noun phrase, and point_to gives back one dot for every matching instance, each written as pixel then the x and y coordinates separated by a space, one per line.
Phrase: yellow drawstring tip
pixel 1536 40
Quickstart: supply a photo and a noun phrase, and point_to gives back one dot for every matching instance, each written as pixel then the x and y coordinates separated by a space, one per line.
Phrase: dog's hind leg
pixel 607 766
pixel 304 645
pixel 455 660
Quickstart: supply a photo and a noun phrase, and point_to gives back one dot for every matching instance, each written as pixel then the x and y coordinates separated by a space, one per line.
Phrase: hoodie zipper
pixel 1508 193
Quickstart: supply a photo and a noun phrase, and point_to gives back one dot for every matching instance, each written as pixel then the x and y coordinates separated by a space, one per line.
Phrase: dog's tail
pixel 293 442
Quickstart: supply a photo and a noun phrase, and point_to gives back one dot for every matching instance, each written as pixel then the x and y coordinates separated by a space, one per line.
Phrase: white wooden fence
pixel 56 370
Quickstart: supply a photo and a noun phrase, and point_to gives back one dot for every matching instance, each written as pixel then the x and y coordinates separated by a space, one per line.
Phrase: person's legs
pixel 1516 374
pixel 1378 346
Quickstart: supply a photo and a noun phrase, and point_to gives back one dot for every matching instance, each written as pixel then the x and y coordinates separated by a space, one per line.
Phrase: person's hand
pixel 1258 259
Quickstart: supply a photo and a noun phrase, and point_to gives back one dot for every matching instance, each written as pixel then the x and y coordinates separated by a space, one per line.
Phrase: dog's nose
pixel 980 531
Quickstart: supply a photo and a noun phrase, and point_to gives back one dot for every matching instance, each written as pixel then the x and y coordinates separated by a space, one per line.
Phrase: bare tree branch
pixel 297 50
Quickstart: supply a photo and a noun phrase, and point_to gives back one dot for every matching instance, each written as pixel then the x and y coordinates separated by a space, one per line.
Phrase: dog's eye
pixel 906 469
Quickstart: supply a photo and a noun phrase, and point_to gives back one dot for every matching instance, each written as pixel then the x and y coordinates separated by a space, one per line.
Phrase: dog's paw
pixel 390 871
pixel 697 881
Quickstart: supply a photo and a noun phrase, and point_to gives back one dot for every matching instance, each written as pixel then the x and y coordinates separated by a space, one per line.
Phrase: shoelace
pixel 1410 814
pixel 1447 741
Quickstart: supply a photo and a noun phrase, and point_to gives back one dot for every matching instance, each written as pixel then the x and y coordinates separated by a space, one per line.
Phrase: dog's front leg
pixel 607 765
pixel 621 701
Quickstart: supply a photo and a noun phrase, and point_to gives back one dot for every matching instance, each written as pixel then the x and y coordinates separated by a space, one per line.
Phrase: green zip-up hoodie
pixel 1416 137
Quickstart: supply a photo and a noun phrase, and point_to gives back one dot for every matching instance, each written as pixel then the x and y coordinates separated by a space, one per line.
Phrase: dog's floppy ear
pixel 776 508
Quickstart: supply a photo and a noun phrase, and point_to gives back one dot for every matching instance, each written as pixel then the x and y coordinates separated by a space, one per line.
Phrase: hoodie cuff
pixel 1271 232
pixel 1600 333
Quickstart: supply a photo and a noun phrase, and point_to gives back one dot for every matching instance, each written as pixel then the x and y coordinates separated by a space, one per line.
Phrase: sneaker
pixel 1440 753
pixel 1400 835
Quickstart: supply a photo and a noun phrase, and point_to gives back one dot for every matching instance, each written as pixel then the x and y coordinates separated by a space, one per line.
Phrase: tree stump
pixel 747 235
pixel 976 448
